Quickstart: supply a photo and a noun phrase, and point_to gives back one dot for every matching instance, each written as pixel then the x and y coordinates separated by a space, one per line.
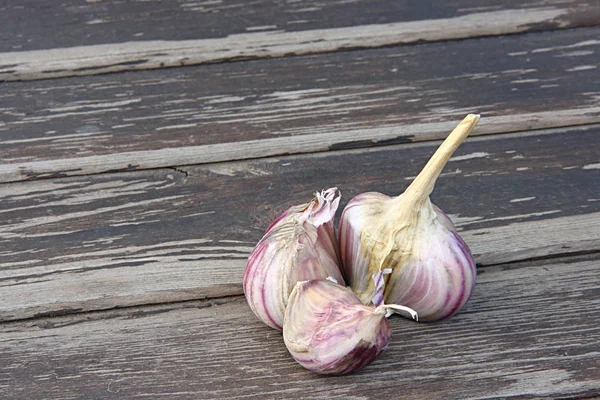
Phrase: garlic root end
pixel 394 308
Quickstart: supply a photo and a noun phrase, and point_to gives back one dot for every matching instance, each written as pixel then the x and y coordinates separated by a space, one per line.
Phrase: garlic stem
pixel 423 184
pixel 396 308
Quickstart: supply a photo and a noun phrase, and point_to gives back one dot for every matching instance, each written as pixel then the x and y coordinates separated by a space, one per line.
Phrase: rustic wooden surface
pixel 129 201
pixel 290 31
pixel 530 331
pixel 128 238
pixel 192 115
pixel 85 23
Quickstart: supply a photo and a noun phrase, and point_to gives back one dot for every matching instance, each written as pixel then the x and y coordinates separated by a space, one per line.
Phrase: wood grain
pixel 150 54
pixel 114 240
pixel 152 119
pixel 72 23
pixel 528 332
pixel 136 196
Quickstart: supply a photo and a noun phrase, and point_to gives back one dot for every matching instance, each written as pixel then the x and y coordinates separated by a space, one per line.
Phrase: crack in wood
pixel 180 170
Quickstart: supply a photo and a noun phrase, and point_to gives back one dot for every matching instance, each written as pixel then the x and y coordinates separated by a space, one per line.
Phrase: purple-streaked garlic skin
pixel 328 330
pixel 437 277
pixel 432 269
pixel 299 245
pixel 360 212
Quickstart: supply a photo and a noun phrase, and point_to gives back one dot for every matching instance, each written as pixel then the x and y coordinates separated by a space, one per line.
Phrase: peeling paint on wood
pixel 532 332
pixel 128 161
pixel 109 21
pixel 149 119
pixel 146 237
pixel 127 284
pixel 104 58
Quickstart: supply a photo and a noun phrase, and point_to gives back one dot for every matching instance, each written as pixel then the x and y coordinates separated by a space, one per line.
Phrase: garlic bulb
pixel 299 245
pixel 429 268
pixel 329 331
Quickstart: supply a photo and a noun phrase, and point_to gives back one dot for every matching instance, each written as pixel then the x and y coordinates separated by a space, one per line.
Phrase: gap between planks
pixel 261 148
pixel 139 55
pixel 145 262
pixel 529 331
pixel 58 320
pixel 486 263
pixel 548 77
pixel 57 296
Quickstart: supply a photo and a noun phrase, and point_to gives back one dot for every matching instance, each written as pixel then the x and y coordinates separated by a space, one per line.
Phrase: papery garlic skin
pixel 361 211
pixel 432 269
pixel 438 276
pixel 357 263
pixel 299 245
pixel 329 331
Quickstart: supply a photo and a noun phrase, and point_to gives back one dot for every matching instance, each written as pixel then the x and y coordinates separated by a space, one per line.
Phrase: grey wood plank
pixel 152 119
pixel 352 27
pixel 33 25
pixel 529 331
pixel 114 240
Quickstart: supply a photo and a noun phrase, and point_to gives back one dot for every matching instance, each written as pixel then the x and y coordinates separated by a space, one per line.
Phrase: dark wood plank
pixel 152 119
pixel 529 331
pixel 33 25
pixel 114 240
pixel 146 35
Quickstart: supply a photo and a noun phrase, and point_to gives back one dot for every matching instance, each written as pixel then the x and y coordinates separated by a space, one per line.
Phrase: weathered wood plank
pixel 277 42
pixel 529 331
pixel 153 119
pixel 31 25
pixel 113 240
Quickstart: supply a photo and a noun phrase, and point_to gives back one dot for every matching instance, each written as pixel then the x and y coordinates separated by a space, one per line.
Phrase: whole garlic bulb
pixel 328 330
pixel 428 267
pixel 299 245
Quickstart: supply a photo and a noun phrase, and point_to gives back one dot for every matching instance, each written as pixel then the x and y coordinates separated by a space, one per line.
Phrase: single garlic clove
pixel 432 269
pixel 329 331
pixel 299 245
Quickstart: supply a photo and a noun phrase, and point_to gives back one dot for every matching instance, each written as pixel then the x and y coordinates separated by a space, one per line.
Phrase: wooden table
pixel 146 145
